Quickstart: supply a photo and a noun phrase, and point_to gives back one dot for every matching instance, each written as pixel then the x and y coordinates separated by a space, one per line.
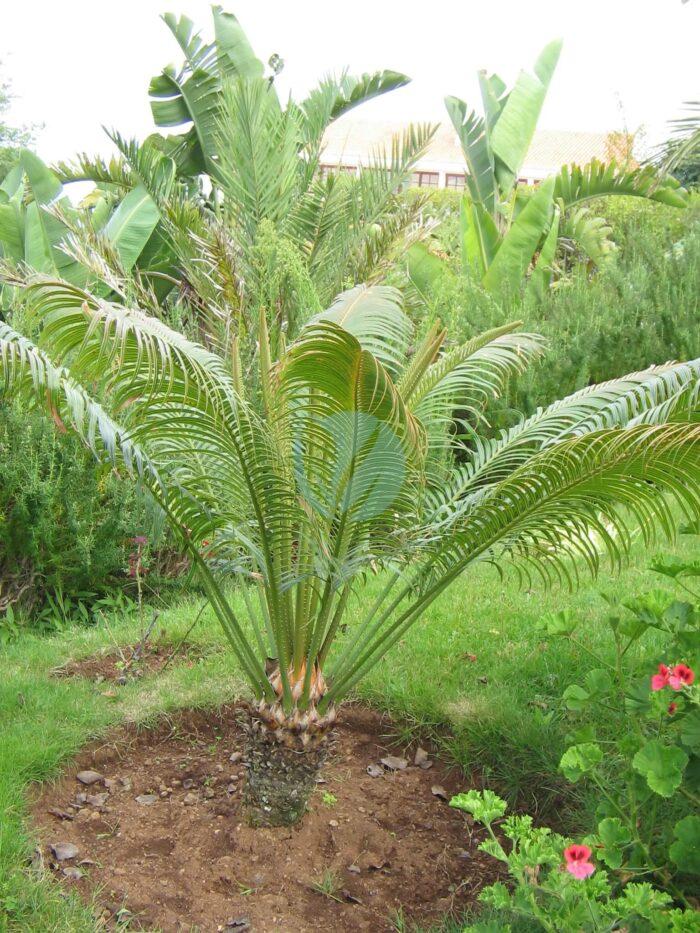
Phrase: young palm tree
pixel 342 469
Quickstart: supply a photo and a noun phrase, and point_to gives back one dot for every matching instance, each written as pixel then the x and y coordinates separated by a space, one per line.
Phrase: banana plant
pixel 511 235
pixel 39 226
pixel 337 472
pixel 249 221
pixel 191 95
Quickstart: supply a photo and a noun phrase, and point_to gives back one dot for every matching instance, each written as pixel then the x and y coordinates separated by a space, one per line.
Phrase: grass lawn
pixel 499 713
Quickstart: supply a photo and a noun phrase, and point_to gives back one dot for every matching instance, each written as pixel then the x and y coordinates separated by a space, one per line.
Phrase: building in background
pixel 350 145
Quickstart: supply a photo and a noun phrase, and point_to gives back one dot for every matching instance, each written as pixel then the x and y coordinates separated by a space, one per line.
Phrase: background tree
pixel 511 234
pixel 12 138
pixel 250 221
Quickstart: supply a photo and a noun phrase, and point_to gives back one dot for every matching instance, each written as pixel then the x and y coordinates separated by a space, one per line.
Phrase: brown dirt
pixel 187 860
pixel 109 665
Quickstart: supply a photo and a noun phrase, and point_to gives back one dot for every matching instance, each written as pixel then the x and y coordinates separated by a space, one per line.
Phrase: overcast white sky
pixel 77 64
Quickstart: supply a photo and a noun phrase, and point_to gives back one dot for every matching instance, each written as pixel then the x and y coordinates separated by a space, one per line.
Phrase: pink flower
pixel 681 676
pixel 662 679
pixel 577 863
pixel 672 707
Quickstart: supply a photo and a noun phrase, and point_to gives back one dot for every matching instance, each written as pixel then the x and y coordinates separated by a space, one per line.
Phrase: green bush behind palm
pixel 64 525
pixel 642 308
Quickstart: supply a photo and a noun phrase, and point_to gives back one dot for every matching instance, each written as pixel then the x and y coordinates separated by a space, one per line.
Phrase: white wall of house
pixel 349 146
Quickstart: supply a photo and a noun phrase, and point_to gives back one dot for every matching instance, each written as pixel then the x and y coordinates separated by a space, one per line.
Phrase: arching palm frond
pixel 336 96
pixel 374 315
pixel 331 480
pixel 576 184
pixel 645 396
pixel 565 507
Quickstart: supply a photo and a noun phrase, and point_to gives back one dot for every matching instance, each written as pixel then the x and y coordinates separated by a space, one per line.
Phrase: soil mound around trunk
pixel 152 823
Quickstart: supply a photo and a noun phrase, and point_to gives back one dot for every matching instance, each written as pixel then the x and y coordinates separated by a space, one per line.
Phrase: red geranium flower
pixel 681 676
pixel 577 861
pixel 662 679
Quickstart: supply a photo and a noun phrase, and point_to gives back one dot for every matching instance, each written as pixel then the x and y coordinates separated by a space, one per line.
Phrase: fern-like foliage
pixel 327 474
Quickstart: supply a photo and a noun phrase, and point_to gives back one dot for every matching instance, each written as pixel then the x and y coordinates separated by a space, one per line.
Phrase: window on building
pixel 326 170
pixel 425 179
pixel 455 181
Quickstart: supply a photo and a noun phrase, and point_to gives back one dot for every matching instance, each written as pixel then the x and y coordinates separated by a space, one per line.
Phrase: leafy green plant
pixel 653 752
pixel 559 885
pixel 643 307
pixel 39 225
pixel 327 884
pixel 511 234
pixel 246 218
pixel 343 467
pixel 64 524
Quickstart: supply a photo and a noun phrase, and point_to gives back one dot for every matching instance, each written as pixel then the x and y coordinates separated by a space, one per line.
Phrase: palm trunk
pixel 284 756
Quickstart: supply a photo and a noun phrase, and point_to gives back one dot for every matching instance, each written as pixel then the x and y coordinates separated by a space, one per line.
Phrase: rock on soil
pixel 169 848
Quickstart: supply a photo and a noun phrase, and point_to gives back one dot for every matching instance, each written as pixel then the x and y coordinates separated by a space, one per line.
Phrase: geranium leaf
pixel 661 765
pixel 579 759
pixel 484 806
pixel 685 851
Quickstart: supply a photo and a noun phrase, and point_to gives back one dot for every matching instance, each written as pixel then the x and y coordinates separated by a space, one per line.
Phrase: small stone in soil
pixel 190 799
pixel 75 874
pixel 375 770
pixel 188 783
pixel 97 800
pixel 355 869
pixel 60 814
pixel 236 757
pixel 88 777
pixel 333 823
pixel 63 851
pixel 146 799
pixel 394 763
pixel 421 756
pixel 438 791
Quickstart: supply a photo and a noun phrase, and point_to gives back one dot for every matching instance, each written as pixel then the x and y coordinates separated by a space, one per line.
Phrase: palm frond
pixel 620 402
pixel 374 315
pixel 588 233
pixel 576 184
pixel 571 504
pixel 258 160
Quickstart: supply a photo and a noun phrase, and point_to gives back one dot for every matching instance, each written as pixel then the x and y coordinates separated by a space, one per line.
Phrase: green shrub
pixel 640 310
pixel 65 525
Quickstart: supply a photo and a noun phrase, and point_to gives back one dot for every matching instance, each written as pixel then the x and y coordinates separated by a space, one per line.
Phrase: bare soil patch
pixel 160 834
pixel 121 665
